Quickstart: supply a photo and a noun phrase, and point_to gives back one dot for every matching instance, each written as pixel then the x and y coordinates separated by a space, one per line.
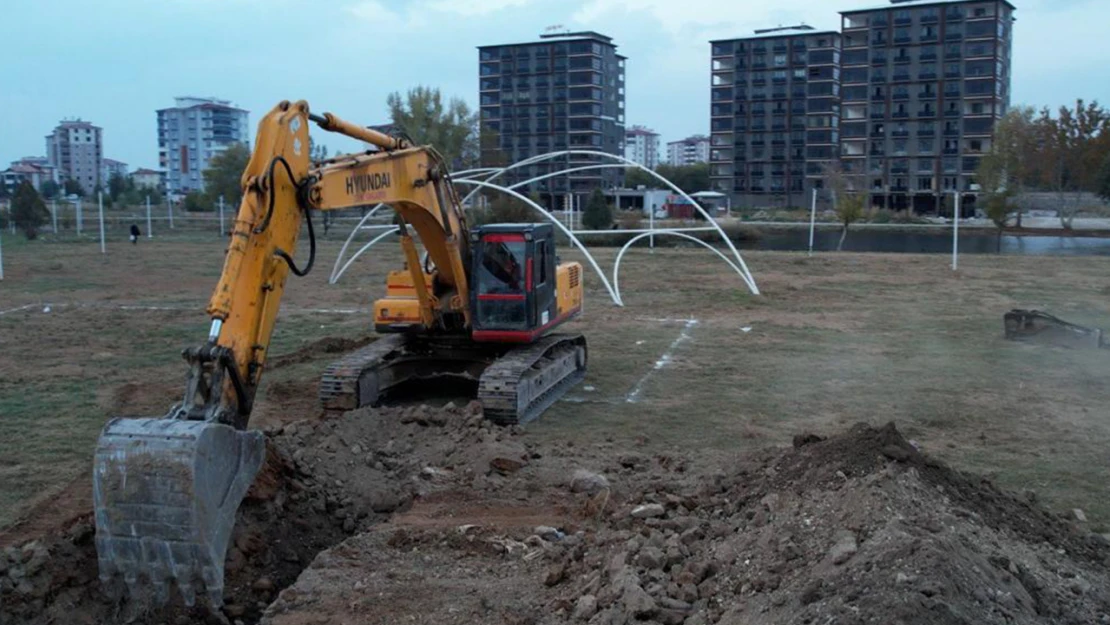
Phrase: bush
pixel 504 210
pixel 28 210
pixel 630 220
pixel 196 202
pixel 598 214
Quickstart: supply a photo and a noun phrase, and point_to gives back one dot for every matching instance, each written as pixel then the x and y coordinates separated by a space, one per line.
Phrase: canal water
pixel 874 240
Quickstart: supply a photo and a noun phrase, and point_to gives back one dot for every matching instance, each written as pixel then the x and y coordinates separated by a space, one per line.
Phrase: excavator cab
pixel 514 297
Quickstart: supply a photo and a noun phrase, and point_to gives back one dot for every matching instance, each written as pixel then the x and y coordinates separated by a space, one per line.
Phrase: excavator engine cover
pixel 165 494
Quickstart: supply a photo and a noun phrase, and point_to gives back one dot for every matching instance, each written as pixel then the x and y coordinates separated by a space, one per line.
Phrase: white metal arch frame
pixel 745 273
pixel 666 232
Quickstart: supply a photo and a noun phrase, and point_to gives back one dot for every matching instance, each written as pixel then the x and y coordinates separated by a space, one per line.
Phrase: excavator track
pixel 528 379
pixel 344 383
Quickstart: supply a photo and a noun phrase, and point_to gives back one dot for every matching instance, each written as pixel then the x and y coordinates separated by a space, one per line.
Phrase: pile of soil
pixel 428 515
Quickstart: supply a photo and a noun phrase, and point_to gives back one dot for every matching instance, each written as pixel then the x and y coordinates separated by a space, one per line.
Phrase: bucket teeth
pixel 165 494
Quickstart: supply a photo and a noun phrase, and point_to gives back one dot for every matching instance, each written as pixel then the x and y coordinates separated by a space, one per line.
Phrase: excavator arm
pixel 166 489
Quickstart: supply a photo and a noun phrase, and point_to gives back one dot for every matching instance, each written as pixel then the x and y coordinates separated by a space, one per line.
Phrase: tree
pixel 1072 147
pixel 598 214
pixel 847 195
pixel 451 128
pixel 1001 171
pixel 1104 179
pixel 117 184
pixel 635 177
pixel 72 187
pixel 49 189
pixel 224 173
pixel 689 178
pixel 196 202
pixel 28 210
pixel 1009 163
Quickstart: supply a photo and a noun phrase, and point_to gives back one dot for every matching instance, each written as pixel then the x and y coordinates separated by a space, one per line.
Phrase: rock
pixel 637 601
pixel 356 450
pixel 771 502
pixel 844 548
pixel 585 607
pixel 674 604
pixel 550 534
pixel 902 578
pixel 16 572
pixel 647 511
pixel 555 574
pixel 650 558
pixel 349 525
pixel 588 482
pixel 812 592
pixel 696 619
pixel 631 461
pixel 1080 586
pixel 263 584
pixel 1079 515
pixel 896 453
pixel 385 500
pixel 801 440
pixel 235 610
pixel 671 617
pixel 438 418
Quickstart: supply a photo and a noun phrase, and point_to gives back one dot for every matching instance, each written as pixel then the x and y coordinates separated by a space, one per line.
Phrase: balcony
pixel 759 65
pixel 878 97
pixel 929 37
pixel 878 115
pixel 878 59
pixel 928 56
pixel 759 82
pixel 951 132
pixel 930 19
pixel 926 95
pixel 951 55
pixel 902 58
pixel 923 132
pixel 901 77
pixel 900 115
pixel 927 76
pixel 950 151
pixel 878 135
pixel 900 133
pixel 954 16
pixel 875 153
pixel 952 74
pixel 903 21
pixel 899 169
pixel 952 113
pixel 900 96
pixel 956 36
pixel 902 40
pixel 778 157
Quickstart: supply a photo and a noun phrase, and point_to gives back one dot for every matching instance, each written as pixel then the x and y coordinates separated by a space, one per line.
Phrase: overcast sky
pixel 114 62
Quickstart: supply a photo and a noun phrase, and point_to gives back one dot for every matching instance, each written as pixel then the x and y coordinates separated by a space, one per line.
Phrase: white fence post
pixel 169 209
pixel 149 227
pixel 80 218
pixel 812 220
pixel 100 204
pixel 956 232
pixel 54 214
pixel 1 254
pixel 222 231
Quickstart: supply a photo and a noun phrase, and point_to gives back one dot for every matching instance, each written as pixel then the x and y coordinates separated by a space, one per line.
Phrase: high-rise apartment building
pixel 110 167
pixel 688 151
pixel 774 114
pixel 641 145
pixel 191 133
pixel 563 92
pixel 923 85
pixel 76 150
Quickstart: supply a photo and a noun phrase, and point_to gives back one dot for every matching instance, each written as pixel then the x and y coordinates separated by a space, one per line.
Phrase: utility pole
pixel 149 228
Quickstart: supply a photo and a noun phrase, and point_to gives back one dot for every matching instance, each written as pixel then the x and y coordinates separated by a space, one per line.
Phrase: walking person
pixel 135 234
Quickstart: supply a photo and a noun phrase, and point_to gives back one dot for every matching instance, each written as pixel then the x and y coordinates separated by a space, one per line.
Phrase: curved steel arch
pixel 745 273
pixel 663 232
pixel 343 250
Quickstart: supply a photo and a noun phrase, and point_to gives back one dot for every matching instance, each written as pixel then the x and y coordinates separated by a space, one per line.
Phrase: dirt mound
pixel 425 515
pixel 860 527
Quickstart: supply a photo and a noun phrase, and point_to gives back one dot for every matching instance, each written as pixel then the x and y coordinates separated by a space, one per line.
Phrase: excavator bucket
pixel 165 492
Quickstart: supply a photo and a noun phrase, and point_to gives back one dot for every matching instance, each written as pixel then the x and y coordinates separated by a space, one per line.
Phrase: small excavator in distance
pixel 480 306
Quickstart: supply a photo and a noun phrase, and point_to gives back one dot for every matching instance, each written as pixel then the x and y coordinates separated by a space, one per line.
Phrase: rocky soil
pixel 422 515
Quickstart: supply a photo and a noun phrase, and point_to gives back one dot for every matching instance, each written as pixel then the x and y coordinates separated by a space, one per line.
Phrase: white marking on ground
pixel 634 395
pixel 17 309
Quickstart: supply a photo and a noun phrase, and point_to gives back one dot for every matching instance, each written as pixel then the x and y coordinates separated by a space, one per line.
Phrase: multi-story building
pixel 641 145
pixel 923 84
pixel 147 178
pixel 774 114
pixel 688 151
pixel 563 92
pixel 110 167
pixel 76 150
pixel 191 133
pixel 34 169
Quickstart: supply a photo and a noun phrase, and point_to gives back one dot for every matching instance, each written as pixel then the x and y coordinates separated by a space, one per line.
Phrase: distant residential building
pixel 688 151
pixel 110 167
pixel 33 169
pixel 191 133
pixel 642 146
pixel 76 150
pixel 147 178
pixel 563 92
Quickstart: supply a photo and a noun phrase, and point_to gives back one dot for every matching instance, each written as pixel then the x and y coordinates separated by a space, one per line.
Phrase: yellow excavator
pixel 480 306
